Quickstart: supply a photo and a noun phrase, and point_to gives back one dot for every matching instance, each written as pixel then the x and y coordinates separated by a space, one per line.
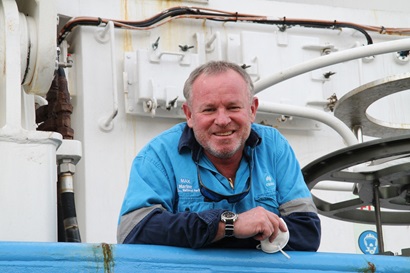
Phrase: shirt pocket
pixel 268 201
pixel 193 203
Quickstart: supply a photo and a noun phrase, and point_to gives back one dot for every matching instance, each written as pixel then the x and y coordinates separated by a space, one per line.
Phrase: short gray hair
pixel 214 68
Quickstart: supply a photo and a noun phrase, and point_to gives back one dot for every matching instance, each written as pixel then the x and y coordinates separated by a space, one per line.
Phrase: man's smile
pixel 227 133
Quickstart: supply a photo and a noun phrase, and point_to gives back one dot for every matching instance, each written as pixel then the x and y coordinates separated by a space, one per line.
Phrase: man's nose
pixel 222 117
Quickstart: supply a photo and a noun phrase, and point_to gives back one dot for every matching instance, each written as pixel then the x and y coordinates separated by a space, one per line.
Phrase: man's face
pixel 221 113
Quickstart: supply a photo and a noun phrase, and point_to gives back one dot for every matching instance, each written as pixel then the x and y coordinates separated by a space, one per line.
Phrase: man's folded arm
pixel 155 225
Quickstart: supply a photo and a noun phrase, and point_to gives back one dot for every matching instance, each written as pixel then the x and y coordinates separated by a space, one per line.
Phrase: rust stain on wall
pixel 127 38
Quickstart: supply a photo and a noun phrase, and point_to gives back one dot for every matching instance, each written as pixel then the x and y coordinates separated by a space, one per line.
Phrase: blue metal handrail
pixel 72 257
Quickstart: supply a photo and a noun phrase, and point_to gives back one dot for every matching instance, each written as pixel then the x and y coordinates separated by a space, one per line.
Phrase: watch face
pixel 229 215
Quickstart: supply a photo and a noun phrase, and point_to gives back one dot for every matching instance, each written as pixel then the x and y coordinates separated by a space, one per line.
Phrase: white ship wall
pixel 101 175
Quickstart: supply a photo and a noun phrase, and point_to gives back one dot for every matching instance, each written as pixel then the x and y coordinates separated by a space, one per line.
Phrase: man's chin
pixel 223 153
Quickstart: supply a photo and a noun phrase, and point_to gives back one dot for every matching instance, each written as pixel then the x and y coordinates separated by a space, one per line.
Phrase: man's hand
pixel 258 223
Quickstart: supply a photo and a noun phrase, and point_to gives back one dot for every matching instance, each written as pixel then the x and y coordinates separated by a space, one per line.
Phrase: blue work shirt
pixel 164 180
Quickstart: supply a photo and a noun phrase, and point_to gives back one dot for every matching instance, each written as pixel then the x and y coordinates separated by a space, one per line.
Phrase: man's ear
pixel 188 113
pixel 254 108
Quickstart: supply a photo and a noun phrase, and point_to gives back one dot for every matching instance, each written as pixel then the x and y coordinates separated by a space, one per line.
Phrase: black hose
pixel 68 211
pixel 60 220
pixel 72 232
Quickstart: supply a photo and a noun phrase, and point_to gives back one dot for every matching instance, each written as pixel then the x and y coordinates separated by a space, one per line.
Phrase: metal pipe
pixel 106 124
pixel 358 132
pixel 10 59
pixel 377 211
pixel 334 186
pixel 314 114
pixel 334 58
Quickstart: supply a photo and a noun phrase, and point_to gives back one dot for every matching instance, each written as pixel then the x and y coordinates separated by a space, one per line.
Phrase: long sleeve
pixel 304 230
pixel 184 229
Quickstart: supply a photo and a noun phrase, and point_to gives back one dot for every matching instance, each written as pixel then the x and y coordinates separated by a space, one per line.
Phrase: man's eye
pixel 234 108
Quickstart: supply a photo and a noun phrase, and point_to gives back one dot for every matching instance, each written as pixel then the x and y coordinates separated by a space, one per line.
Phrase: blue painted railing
pixel 71 257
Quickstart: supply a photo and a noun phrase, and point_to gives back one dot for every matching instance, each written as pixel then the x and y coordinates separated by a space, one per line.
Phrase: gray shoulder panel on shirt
pixel 298 205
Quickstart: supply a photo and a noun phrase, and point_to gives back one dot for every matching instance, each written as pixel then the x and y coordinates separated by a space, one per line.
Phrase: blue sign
pixel 368 242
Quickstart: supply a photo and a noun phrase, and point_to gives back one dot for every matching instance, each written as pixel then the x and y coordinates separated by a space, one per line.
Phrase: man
pixel 218 179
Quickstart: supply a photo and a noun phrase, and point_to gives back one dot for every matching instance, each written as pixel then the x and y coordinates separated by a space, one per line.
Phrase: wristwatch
pixel 229 217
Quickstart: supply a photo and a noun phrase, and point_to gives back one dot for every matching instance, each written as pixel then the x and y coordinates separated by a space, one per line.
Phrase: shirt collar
pixel 188 141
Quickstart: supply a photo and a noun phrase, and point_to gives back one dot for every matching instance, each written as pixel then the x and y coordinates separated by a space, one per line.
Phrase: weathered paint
pixel 71 257
pixel 108 258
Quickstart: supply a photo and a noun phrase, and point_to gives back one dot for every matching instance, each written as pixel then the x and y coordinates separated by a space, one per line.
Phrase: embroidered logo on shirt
pixel 269 181
pixel 185 185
